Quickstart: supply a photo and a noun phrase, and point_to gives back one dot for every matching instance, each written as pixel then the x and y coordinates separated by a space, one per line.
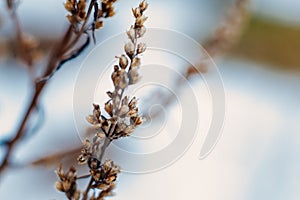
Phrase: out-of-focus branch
pixel 225 36
pixel 62 52
pixel 222 40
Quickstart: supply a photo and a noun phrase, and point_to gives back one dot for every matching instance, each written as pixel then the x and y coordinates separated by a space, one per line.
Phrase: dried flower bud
pixel 59 186
pixel 93 163
pixel 133 76
pixel 81 5
pixel 143 6
pixel 131 34
pixel 106 124
pixel 129 49
pixel 125 100
pixel 132 103
pixel 123 82
pixel 110 13
pixel 71 19
pixel 100 135
pixel 136 62
pixel 141 31
pixel 123 110
pixel 140 21
pixel 69 6
pixel 136 12
pixel 109 108
pixel 133 112
pixel 109 94
pixel 138 121
pixel 141 48
pixel 123 61
pixel 99 24
pixel 96 111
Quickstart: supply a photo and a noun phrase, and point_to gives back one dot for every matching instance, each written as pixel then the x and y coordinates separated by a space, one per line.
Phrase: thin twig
pixel 56 60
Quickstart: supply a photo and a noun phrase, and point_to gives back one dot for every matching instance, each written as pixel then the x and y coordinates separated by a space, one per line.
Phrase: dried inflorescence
pixel 67 183
pixel 119 117
pixel 78 11
pixel 105 175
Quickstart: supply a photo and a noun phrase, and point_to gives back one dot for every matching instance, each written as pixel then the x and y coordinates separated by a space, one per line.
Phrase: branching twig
pixel 123 120
pixel 223 39
pixel 57 58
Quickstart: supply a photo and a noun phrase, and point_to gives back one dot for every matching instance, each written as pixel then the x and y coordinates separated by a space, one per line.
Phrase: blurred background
pixel 257 156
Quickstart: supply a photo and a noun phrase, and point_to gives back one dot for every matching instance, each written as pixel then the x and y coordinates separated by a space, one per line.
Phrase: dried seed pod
pixel 133 76
pixel 132 103
pixel 69 6
pixel 108 108
pixel 138 121
pixel 93 163
pixel 141 48
pixel 131 34
pixel 140 21
pixel 136 12
pixel 129 49
pixel 123 110
pixel 141 31
pixel 143 6
pixel 99 24
pixel 123 81
pixel 136 62
pixel 123 61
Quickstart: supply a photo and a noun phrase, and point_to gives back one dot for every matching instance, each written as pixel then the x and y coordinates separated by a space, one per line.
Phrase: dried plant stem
pixel 83 28
pixel 39 86
pixel 58 57
pixel 107 142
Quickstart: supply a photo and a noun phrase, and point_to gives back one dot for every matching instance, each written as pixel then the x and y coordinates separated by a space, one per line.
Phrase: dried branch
pixel 223 39
pixel 58 57
pixel 122 121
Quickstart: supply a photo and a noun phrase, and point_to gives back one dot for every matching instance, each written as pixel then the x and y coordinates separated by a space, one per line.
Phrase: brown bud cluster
pixel 106 175
pixel 77 10
pixel 119 116
pixel 67 183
